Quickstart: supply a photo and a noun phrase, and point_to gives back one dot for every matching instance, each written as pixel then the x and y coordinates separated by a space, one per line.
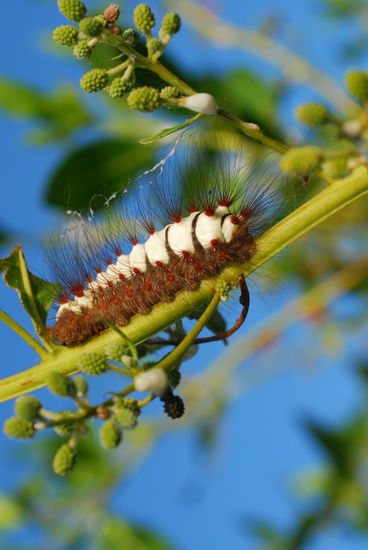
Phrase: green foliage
pixel 16 275
pixel 174 377
pixel 116 532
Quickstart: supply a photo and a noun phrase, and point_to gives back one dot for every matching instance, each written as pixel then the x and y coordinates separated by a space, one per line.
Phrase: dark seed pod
pixel 174 406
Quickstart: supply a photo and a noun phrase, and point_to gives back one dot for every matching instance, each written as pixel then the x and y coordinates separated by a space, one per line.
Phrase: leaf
pixel 98 169
pixel 117 534
pixel 35 294
pixel 168 131
pixel 60 112
pixel 216 323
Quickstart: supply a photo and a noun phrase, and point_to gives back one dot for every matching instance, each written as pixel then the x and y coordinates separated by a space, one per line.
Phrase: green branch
pixel 316 210
pixel 42 352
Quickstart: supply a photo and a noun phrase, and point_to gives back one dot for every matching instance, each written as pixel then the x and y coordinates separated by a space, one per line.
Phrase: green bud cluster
pixel 145 99
pixel 72 9
pixel 92 26
pixel 19 428
pixel 302 160
pixel 312 114
pixel 170 24
pixel 131 36
pixel 27 407
pixel 81 50
pixel 118 89
pixel 154 44
pixel 335 168
pixel 92 363
pixel 81 385
pixel 67 427
pixel 144 19
pixel 110 434
pixel 169 91
pixel 63 460
pixel 126 417
pixel 115 350
pixel 94 81
pixel 59 384
pixel 357 84
pixel 174 377
pixel 66 35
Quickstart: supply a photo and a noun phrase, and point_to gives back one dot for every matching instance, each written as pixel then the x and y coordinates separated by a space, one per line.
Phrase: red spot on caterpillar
pixel 63 299
pixel 177 218
pixel 110 284
pixel 98 269
pixel 220 255
pixel 134 242
pixel 105 304
pixel 185 253
pixel 235 220
pixel 78 291
pixel 108 262
pixel 89 279
pixel 136 270
pixel 100 288
pixel 158 263
pixel 214 242
pixel 147 286
pixel 170 277
pixel 209 211
pixel 129 292
pixel 196 267
pixel 226 203
pixel 87 316
pixel 116 300
pixel 151 231
pixel 121 276
pixel 193 209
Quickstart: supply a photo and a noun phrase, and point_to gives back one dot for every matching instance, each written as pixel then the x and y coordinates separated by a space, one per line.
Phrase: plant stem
pixel 173 357
pixel 339 194
pixel 42 352
pixel 254 131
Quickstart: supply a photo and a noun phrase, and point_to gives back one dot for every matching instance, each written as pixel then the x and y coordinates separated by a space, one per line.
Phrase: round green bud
pixel 115 350
pixel 144 19
pixel 302 160
pixel 72 9
pixel 66 35
pixel 19 428
pixel 63 460
pixel 131 36
pixel 81 385
pixel 92 363
pixel 81 50
pixel 27 407
pixel 67 427
pixel 92 26
pixel 118 89
pixel 170 24
pixel 110 434
pixel 94 80
pixel 169 91
pixel 128 403
pixel 59 383
pixel 154 44
pixel 126 417
pixel 357 84
pixel 312 114
pixel 144 99
pixel 335 168
pixel 174 377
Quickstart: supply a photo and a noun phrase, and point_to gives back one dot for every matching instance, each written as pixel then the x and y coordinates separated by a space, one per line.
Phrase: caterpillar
pixel 191 219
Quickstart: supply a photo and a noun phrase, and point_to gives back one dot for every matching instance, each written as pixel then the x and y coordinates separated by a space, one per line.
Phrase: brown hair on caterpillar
pixel 207 223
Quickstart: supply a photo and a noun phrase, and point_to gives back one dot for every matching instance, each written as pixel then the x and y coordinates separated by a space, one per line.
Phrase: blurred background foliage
pixel 100 152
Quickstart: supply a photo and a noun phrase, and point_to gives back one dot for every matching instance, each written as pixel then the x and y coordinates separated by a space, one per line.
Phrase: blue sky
pixel 261 442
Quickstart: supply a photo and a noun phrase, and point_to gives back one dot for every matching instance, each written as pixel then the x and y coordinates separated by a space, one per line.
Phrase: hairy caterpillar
pixel 192 219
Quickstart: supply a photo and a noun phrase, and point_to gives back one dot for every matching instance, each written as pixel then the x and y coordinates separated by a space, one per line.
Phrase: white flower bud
pixel 200 103
pixel 153 380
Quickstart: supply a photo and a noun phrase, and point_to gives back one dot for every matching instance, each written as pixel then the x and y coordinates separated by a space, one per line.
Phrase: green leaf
pixel 98 169
pixel 117 534
pixel 168 131
pixel 60 112
pixel 216 324
pixel 35 294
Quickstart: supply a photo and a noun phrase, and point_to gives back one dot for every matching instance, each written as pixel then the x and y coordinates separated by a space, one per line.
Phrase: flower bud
pixel 81 50
pixel 92 26
pixel 312 114
pixel 67 427
pixel 118 89
pixel 19 428
pixel 154 44
pixel 81 385
pixel 59 383
pixel 169 91
pixel 154 380
pixel 111 13
pixel 200 103
pixel 72 9
pixel 64 460
pixel 174 377
pixel 174 406
pixel 302 160
pixel 27 407
pixel 110 434
pixel 92 363
pixel 94 81
pixel 357 84
pixel 131 36
pixel 126 417
pixel 170 24
pixel 144 99
pixel 144 19
pixel 66 35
